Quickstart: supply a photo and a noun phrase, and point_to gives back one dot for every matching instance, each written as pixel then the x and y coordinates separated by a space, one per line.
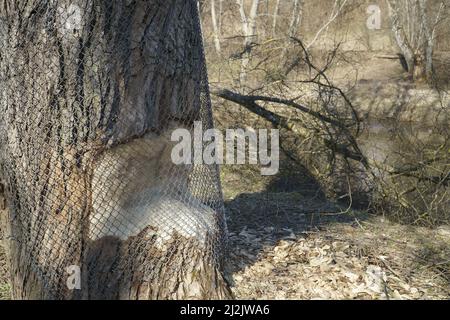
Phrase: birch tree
pixel 249 30
pixel 276 13
pixel 414 26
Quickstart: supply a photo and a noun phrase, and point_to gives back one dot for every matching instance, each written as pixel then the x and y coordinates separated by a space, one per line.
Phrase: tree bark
pixel 297 13
pixel 215 26
pixel 249 29
pixel 88 89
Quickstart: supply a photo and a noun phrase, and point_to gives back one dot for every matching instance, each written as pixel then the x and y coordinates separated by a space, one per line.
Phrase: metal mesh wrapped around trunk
pixel 90 92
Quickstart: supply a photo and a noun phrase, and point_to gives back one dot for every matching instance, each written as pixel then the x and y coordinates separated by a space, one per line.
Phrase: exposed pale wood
pixel 249 30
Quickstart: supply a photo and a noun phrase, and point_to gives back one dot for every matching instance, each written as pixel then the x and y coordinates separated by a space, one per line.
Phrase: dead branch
pixel 249 102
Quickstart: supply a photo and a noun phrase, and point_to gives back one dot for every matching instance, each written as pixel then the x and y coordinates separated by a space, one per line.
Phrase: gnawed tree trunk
pixel 400 36
pixel 415 35
pixel 89 93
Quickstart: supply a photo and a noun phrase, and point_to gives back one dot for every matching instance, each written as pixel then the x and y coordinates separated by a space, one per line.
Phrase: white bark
pixel 430 33
pixel 215 27
pixel 296 18
pixel 415 35
pixel 337 9
pixel 243 17
pixel 297 12
pixel 249 30
pixel 275 18
pixel 399 34
pixel 252 18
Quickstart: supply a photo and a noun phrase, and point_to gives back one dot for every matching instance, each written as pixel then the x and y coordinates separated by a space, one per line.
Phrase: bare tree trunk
pixel 400 34
pixel 415 36
pixel 249 29
pixel 220 15
pixel 429 32
pixel 276 12
pixel 215 27
pixel 297 11
pixel 252 21
pixel 89 90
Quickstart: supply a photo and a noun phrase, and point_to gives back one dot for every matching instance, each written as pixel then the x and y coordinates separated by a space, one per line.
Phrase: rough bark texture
pixel 80 78
pixel 415 35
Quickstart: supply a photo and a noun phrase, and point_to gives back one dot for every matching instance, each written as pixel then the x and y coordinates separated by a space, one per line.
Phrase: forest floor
pixel 287 241
pixel 361 258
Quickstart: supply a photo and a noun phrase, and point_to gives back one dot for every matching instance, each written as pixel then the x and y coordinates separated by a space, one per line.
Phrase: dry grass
pixel 363 260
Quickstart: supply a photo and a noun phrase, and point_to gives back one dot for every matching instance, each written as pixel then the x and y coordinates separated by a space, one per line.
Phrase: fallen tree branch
pixel 238 98
pixel 249 102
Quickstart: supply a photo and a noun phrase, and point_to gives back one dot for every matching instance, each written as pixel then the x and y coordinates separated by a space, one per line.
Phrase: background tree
pixel 414 26
pixel 216 24
pixel 249 30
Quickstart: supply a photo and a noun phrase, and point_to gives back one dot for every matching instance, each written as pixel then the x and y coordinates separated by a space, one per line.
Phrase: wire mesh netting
pixel 90 92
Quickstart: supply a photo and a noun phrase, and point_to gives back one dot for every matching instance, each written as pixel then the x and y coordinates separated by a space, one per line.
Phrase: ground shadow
pixel 292 205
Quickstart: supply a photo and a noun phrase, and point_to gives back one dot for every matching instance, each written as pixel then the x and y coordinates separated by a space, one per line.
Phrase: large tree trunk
pixel 89 92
